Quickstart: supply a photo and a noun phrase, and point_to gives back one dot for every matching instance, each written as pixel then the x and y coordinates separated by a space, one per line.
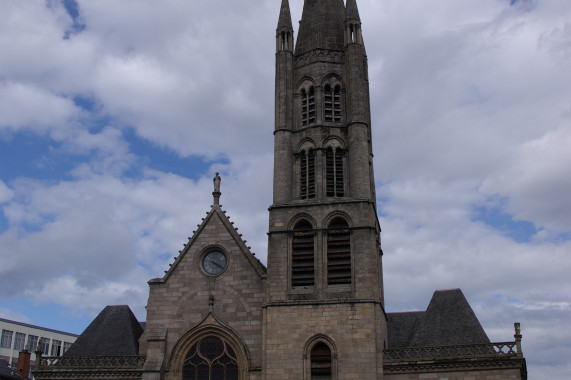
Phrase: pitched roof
pixel 216 210
pixel 448 320
pixel 115 331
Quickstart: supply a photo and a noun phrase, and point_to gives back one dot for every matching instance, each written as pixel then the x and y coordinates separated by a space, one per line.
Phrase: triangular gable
pixel 215 212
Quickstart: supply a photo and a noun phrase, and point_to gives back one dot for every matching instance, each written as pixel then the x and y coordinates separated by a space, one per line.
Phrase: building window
pixel 321 362
pixel 302 255
pixel 45 345
pixel 308 107
pixel 66 346
pixel 307 174
pixel 32 343
pixel 56 348
pixel 332 103
pixel 19 341
pixel 334 172
pixel 6 341
pixel 338 252
pixel 210 359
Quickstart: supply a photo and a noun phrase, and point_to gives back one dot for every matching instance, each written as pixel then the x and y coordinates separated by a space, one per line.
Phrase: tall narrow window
pixel 338 252
pixel 321 362
pixel 307 107
pixel 334 172
pixel 307 174
pixel 302 255
pixel 210 359
pixel 337 104
pixel 328 104
pixel 332 104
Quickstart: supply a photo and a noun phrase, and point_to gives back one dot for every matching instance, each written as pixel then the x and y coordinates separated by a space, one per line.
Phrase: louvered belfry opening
pixel 334 172
pixel 321 362
pixel 307 174
pixel 338 252
pixel 332 104
pixel 302 255
pixel 308 107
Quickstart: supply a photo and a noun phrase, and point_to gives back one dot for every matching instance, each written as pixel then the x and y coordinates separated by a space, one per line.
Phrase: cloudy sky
pixel 115 115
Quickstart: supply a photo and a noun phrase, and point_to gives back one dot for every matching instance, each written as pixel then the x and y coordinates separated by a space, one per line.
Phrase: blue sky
pixel 114 117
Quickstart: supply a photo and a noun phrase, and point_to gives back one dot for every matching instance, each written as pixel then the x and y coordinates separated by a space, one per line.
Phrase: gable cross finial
pixel 216 193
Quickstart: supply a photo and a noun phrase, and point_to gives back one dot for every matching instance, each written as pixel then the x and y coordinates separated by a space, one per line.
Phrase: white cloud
pixel 5 193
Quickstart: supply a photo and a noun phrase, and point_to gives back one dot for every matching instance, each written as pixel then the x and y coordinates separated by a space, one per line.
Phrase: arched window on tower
pixel 334 172
pixel 307 174
pixel 332 103
pixel 308 107
pixel 321 362
pixel 338 252
pixel 302 255
pixel 210 358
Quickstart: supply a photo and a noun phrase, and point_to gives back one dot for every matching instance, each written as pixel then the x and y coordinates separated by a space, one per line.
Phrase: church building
pixel 317 311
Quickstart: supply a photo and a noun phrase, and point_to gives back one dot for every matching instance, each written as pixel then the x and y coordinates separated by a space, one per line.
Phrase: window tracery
pixel 210 358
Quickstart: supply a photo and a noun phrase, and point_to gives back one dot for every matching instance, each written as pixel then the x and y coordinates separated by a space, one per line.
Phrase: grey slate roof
pixel 448 320
pixel 115 331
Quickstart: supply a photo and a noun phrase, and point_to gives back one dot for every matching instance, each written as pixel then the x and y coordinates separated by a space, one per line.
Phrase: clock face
pixel 214 262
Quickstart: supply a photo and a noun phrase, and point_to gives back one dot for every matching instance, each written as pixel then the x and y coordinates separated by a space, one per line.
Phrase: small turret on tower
pixel 352 24
pixel 284 31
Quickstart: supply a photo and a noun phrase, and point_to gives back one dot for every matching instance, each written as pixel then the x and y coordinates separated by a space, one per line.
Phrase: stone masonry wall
pixel 354 330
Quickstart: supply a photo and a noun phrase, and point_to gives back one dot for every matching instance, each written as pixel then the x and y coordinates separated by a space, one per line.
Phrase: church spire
pixel 285 17
pixel 284 31
pixel 351 12
pixel 321 26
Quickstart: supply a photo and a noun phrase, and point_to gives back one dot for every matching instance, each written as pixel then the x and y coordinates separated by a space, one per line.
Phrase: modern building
pixel 18 336
pixel 318 310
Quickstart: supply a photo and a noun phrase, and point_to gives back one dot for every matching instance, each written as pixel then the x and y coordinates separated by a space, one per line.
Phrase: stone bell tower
pixel 324 294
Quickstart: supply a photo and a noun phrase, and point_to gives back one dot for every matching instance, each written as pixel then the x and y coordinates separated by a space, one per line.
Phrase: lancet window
pixel 332 103
pixel 307 174
pixel 308 107
pixel 321 362
pixel 338 252
pixel 302 255
pixel 334 172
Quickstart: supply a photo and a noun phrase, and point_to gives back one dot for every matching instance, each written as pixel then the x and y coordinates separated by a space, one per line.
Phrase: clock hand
pixel 217 264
